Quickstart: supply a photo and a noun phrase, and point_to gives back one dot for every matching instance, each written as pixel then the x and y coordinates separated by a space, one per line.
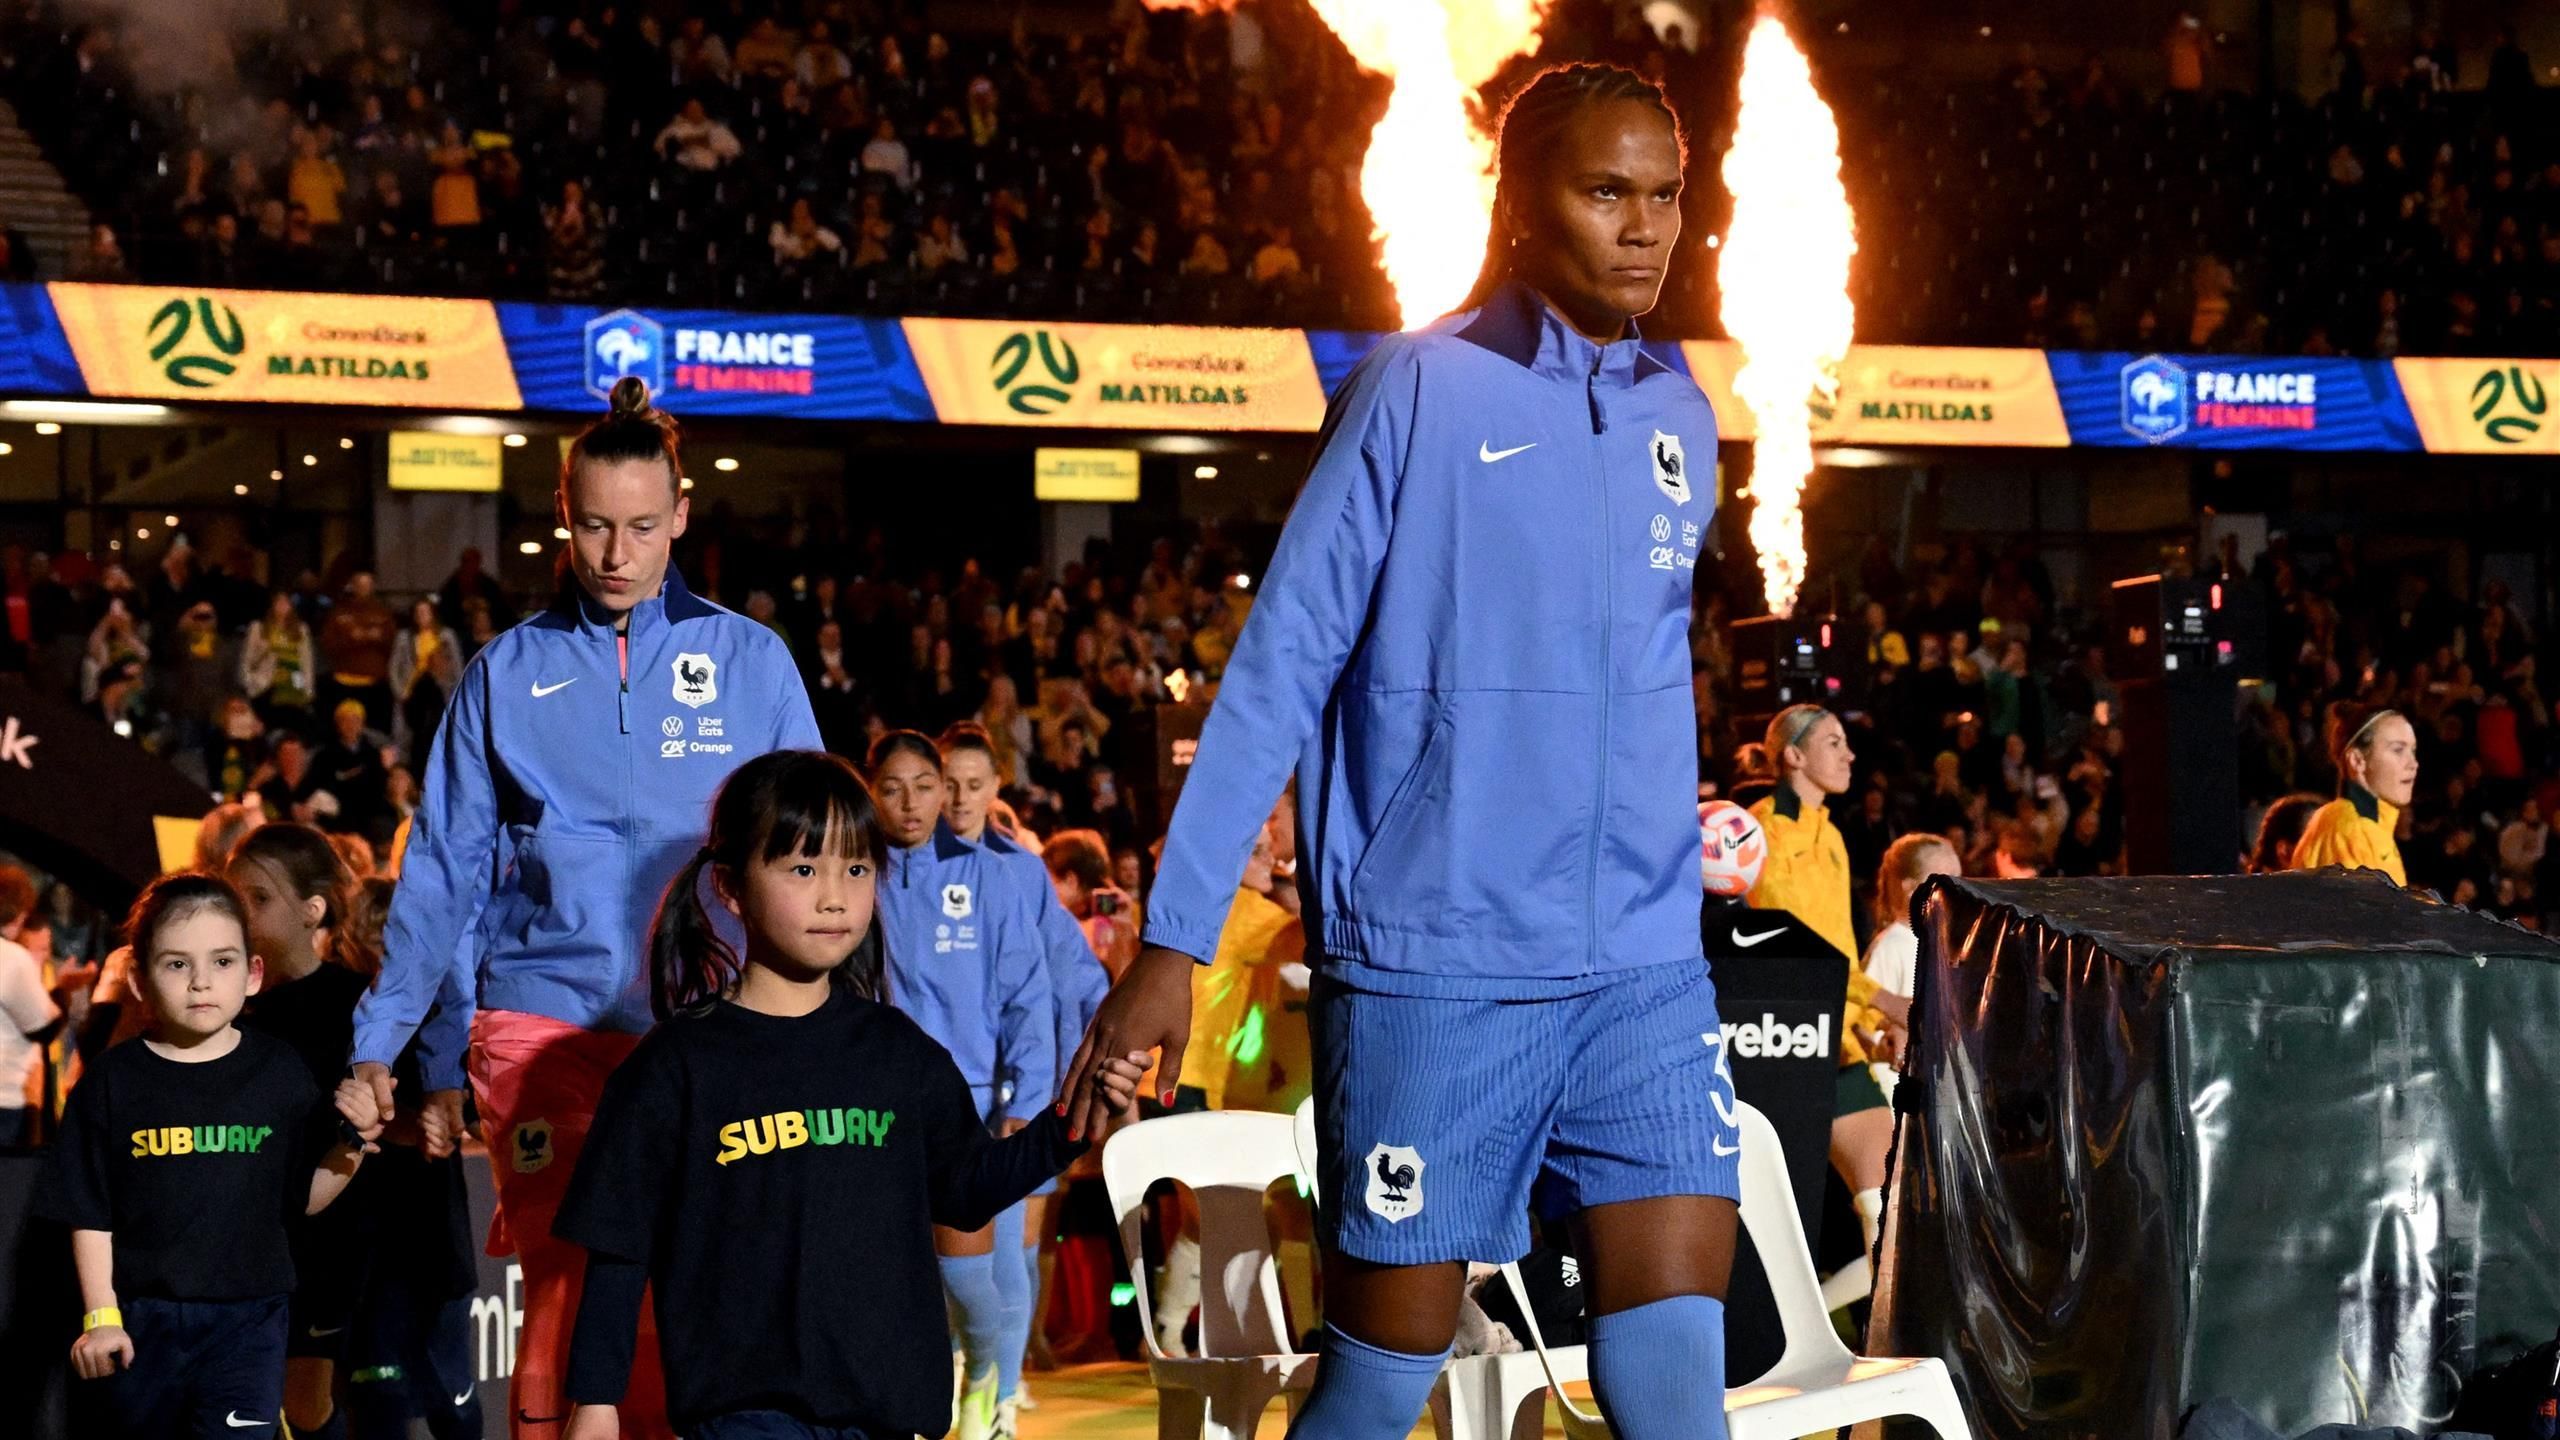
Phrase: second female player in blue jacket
pixel 1472 648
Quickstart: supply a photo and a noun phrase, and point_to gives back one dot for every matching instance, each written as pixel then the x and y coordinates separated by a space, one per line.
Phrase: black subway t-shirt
pixel 781 1177
pixel 195 1169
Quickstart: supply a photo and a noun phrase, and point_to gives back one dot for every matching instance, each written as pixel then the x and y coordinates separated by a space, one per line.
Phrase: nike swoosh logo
pixel 233 1420
pixel 541 690
pixel 316 1333
pixel 1747 941
pixel 1486 453
pixel 465 1397
pixel 524 1419
pixel 1722 1149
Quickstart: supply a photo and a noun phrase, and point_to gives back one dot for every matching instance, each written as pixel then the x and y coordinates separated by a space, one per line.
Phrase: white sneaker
pixel 1007 1412
pixel 978 1410
pixel 1022 1398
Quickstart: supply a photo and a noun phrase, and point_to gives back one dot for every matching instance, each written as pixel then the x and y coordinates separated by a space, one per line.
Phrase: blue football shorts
pixel 1440 1122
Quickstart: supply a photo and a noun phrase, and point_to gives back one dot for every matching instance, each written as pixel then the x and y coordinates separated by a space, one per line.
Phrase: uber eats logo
pixel 195 343
pixel 2509 404
pixel 1036 393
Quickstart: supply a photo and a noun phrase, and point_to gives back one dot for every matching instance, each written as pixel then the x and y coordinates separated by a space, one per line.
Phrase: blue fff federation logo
pixel 2153 391
pixel 625 342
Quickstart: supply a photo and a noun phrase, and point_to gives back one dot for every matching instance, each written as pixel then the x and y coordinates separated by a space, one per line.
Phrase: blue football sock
pixel 1013 1288
pixel 1658 1370
pixel 1365 1393
pixel 970 1281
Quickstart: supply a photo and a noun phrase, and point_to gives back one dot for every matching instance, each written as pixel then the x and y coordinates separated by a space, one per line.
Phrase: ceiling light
pixel 725 464
pixel 560 532
pixel 530 547
pixel 275 474
pixel 515 442
pixel 239 489
pixel 310 459
pixel 346 442
pixel 141 532
pixel 169 520
pixel 48 428
pixel 1204 472
pixel 106 411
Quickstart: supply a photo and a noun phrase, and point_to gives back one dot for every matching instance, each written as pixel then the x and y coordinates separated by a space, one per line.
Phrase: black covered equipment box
pixel 2287 1139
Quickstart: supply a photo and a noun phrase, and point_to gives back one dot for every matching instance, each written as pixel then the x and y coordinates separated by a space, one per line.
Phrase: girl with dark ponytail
pixel 783 1142
pixel 795 805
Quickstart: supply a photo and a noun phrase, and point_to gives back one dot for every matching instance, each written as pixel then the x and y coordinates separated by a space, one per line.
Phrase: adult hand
pixel 1150 1009
pixel 1010 1126
pixel 102 1352
pixel 440 1126
pixel 377 1079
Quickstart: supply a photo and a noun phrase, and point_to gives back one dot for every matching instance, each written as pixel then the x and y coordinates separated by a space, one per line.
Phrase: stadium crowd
pixel 1983 714
pixel 851 156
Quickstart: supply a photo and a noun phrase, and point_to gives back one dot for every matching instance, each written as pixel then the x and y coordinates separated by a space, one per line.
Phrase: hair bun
pixel 631 397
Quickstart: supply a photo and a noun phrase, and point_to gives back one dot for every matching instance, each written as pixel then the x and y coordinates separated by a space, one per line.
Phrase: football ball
pixel 1730 848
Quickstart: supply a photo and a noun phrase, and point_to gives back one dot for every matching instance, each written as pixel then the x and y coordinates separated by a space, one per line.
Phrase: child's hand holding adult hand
pixel 102 1352
pixel 356 1107
pixel 1119 1079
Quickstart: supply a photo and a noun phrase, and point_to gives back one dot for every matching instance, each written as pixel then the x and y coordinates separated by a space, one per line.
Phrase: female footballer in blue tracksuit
pixel 1077 983
pixel 1472 647
pixel 965 964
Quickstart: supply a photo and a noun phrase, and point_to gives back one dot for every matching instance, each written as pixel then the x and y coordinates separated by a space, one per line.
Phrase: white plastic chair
pixel 1817 1386
pixel 1479 1397
pixel 1228 1158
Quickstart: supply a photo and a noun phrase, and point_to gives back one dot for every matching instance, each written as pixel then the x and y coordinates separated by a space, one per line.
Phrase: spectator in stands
pixel 696 141
pixel 940 244
pixel 698 57
pixel 388 216
pixel 357 644
pixel 1080 868
pixel 1277 261
pixel 280 665
pixel 574 258
pixel 454 201
pixel 100 260
pixel 874 232
pixel 819 64
pixel 426 665
pixel 349 770
pixel 29 1012
pixel 802 238
pixel 284 784
pixel 315 181
pixel 765 53
pixel 887 156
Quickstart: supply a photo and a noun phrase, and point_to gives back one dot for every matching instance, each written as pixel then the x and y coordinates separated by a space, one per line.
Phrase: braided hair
pixel 1525 138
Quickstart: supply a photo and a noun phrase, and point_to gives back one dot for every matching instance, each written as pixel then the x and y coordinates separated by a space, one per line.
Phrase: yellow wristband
pixel 101 1318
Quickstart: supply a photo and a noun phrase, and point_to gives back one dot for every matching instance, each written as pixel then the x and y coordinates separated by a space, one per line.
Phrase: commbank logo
pixel 2153 398
pixel 2509 404
pixel 203 340
pixel 1039 394
pixel 625 342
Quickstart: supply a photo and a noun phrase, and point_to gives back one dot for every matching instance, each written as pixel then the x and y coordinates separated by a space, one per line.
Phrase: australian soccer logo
pixel 625 342
pixel 197 345
pixel 1041 393
pixel 1670 468
pixel 696 680
pixel 2153 399
pixel 1394 1174
pixel 2509 404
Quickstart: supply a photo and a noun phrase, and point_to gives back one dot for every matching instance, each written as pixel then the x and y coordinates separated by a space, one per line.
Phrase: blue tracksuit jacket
pixel 1472 646
pixel 1077 981
pixel 594 788
pixel 965 963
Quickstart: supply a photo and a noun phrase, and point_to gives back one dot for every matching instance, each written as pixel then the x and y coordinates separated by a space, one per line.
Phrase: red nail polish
pixel 1165 1099
pixel 1062 1109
